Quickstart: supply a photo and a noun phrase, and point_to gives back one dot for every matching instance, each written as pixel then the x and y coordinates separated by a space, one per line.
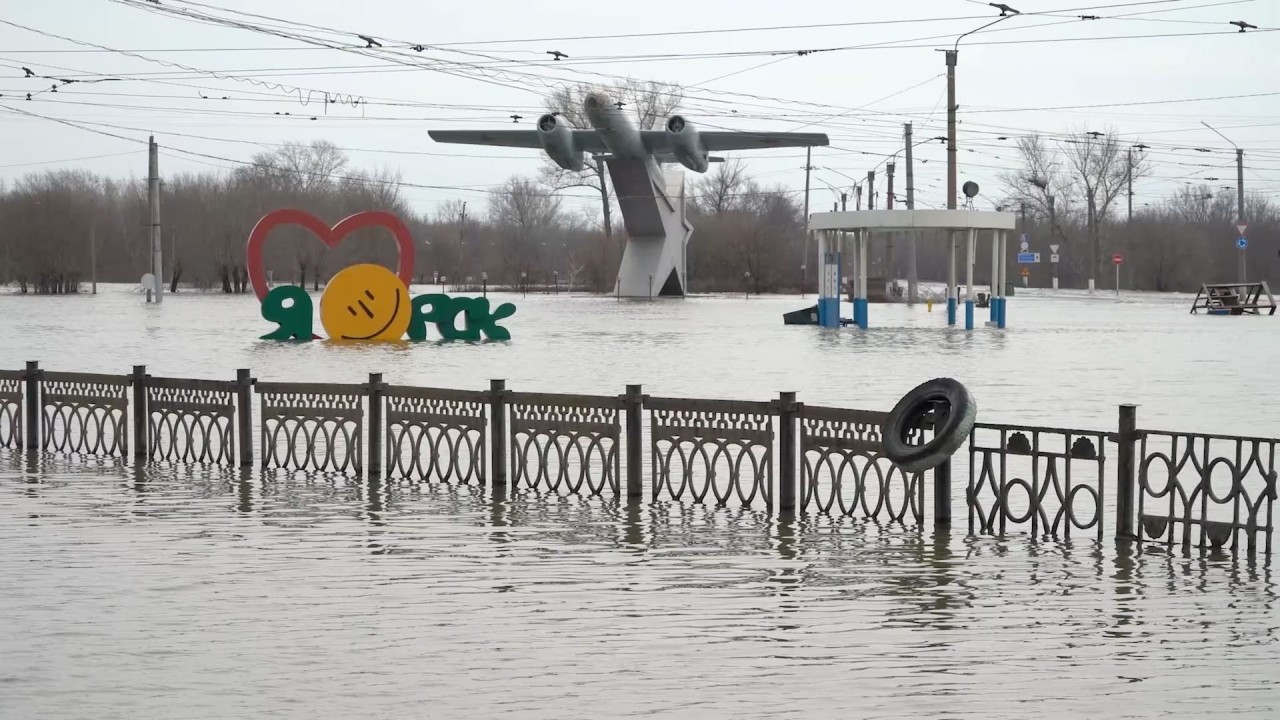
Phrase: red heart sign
pixel 331 236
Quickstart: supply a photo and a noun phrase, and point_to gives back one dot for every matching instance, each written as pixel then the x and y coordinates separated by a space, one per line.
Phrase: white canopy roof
pixel 913 220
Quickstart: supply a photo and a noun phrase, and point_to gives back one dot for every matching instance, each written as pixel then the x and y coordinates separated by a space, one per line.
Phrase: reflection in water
pixel 283 594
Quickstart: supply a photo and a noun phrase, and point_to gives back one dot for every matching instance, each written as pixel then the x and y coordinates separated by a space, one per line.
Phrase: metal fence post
pixel 244 416
pixel 141 444
pixel 1126 439
pixel 633 403
pixel 32 398
pixel 376 391
pixel 787 412
pixel 942 494
pixel 498 431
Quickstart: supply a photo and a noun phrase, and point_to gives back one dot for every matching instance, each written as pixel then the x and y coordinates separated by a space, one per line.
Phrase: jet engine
pixel 682 137
pixel 557 141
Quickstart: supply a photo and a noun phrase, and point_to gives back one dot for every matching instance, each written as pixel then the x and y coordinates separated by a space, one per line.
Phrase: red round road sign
pixel 1117 258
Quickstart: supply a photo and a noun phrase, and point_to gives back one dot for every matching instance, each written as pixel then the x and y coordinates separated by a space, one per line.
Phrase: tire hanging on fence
pixel 953 412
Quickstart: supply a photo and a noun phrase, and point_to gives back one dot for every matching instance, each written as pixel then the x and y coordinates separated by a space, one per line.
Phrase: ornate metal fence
pixel 1210 491
pixel 721 448
pixel 436 435
pixel 566 444
pixel 1213 492
pixel 843 470
pixel 84 413
pixel 312 427
pixel 191 421
pixel 1050 479
pixel 11 406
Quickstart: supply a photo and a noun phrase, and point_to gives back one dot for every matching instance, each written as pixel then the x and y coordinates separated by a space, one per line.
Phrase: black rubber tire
pixel 956 410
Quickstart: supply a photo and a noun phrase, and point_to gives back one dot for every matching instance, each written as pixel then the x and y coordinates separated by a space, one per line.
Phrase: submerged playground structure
pixel 836 231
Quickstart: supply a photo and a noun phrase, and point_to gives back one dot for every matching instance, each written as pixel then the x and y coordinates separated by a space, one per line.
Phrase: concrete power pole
pixel 952 298
pixel 153 203
pixel 913 279
pixel 1128 178
pixel 1240 205
pixel 889 240
pixel 93 257
pixel 871 189
pixel 951 129
pixel 804 257
pixel 1240 253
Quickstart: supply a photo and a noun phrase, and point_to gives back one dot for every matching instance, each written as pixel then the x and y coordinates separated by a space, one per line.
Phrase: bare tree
pixel 527 216
pixel 1078 180
pixel 718 192
pixel 1101 171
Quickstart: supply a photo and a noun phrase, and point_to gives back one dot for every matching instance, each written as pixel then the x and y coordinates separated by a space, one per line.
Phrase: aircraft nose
pixel 595 100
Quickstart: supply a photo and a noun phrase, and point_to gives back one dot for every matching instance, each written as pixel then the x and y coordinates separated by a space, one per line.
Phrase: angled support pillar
pixel 653 209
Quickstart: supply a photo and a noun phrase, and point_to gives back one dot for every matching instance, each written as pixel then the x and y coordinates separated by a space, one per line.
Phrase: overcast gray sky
pixel 883 74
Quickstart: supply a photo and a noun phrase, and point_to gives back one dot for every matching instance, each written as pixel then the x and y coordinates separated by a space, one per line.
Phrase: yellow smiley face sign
pixel 365 302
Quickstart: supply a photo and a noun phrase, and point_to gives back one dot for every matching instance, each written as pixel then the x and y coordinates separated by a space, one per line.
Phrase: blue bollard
pixel 968 314
pixel 951 311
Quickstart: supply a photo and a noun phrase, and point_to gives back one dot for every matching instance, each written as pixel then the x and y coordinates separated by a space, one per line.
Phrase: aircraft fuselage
pixel 615 128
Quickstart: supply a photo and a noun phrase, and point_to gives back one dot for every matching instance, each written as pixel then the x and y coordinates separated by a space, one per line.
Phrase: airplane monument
pixel 651 199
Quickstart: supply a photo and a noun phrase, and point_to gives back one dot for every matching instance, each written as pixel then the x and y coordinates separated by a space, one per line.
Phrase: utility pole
pixel 93 256
pixel 1240 204
pixel 1240 253
pixel 804 257
pixel 857 205
pixel 951 128
pixel 844 202
pixel 153 202
pixel 1129 181
pixel 871 189
pixel 913 279
pixel 888 243
pixel 462 241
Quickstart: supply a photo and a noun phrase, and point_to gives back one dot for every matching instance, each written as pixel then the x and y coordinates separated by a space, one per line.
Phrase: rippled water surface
pixel 165 595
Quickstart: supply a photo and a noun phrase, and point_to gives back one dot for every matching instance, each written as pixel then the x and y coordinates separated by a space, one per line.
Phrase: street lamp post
pixel 524 284
pixel 803 280
pixel 484 286
pixel 746 285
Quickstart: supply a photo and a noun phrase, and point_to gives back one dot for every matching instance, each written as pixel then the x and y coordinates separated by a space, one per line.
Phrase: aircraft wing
pixel 584 140
pixel 720 141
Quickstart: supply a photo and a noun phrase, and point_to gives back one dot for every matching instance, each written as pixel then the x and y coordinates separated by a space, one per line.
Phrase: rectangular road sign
pixel 1053 258
pixel 1026 258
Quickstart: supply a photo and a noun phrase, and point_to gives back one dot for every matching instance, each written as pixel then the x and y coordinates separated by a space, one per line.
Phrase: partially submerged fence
pixel 1188 489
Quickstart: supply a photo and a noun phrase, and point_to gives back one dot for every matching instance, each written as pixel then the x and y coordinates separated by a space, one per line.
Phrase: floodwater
pixel 191 596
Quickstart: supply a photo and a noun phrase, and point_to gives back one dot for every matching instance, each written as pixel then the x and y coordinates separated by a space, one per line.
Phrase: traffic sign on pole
pixel 1053 258
pixel 1028 257
pixel 1117 258
pixel 1241 227
pixel 1053 249
pixel 1242 242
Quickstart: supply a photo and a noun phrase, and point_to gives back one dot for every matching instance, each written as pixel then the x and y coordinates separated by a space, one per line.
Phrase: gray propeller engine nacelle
pixel 683 139
pixel 557 141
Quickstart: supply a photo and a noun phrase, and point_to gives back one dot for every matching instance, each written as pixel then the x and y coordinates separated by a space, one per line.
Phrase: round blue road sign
pixel 1242 243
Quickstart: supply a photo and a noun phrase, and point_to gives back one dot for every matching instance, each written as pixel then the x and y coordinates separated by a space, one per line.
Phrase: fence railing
pixel 1194 490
